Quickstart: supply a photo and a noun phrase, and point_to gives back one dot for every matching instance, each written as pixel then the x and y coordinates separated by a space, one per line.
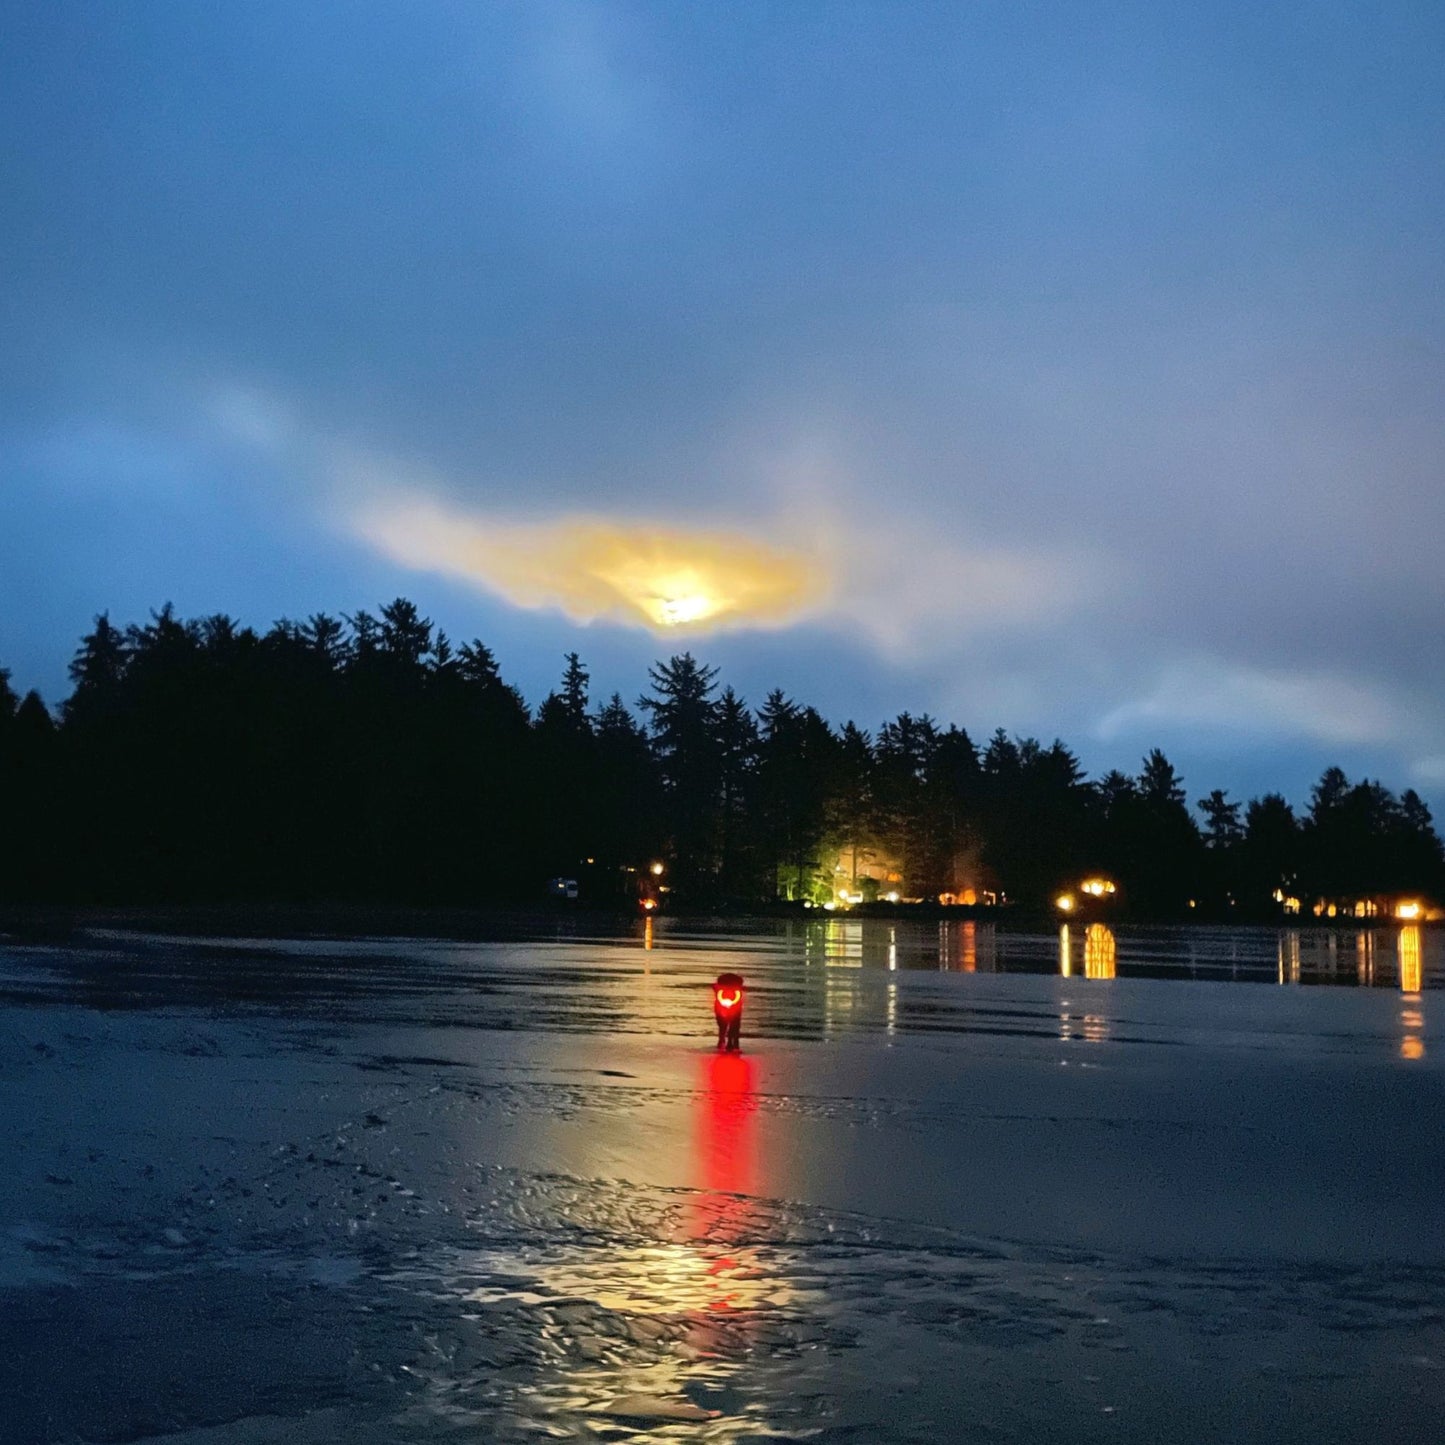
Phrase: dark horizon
pixel 371 758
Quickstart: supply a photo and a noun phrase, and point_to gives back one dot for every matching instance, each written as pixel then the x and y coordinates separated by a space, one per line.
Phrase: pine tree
pixel 682 715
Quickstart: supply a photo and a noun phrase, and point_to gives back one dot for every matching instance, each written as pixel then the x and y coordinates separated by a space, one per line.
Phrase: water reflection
pixel 1412 1014
pixel 1365 957
pixel 1362 958
pixel 967 947
pixel 877 944
pixel 1411 958
pixel 737 1289
pixel 661 1331
pixel 722 1137
pixel 1101 952
pixel 1289 956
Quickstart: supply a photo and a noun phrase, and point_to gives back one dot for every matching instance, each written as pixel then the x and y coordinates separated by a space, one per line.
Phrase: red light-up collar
pixel 729 999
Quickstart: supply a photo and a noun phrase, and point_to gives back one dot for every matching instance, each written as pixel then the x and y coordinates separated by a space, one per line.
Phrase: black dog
pixel 727 1008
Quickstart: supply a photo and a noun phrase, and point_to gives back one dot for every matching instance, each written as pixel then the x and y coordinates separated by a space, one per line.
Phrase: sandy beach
pixel 390 1190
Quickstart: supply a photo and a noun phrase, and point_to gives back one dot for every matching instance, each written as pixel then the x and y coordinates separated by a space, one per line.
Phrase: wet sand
pixel 397 1190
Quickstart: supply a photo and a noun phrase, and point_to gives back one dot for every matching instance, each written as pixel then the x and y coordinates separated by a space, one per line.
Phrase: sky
pixel 1076 369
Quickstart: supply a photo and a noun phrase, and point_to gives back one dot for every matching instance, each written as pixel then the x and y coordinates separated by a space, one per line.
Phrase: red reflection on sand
pixel 724 1158
pixel 723 1137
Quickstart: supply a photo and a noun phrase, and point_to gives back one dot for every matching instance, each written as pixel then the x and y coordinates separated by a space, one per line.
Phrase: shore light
pixel 1409 909
pixel 657 870
pixel 1064 902
pixel 1097 887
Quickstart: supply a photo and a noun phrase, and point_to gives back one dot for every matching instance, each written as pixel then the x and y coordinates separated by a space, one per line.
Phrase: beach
pixel 258 1190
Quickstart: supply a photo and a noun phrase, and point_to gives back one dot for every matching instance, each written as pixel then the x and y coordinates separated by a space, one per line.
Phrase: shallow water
pixel 418 1190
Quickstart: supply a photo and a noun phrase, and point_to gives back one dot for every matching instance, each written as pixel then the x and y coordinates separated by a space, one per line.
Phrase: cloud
pixel 250 417
pixel 1210 693
pixel 920 596
pixel 1429 772
pixel 591 569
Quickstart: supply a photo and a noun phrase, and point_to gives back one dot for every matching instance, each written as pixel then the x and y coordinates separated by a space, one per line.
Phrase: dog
pixel 727 1009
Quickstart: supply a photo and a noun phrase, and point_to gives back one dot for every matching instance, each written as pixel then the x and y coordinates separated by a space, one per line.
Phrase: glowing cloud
pixel 590 569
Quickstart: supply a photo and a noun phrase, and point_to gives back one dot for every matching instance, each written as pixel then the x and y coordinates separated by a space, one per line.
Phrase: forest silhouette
pixel 367 759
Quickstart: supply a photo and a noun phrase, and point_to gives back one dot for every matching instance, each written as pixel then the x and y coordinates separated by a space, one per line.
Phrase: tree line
pixel 367 757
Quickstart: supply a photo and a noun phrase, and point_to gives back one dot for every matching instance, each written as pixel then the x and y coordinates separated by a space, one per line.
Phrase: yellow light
pixel 892 897
pixel 1064 902
pixel 674 611
pixel 1097 887
pixel 1406 911
pixel 593 568
pixel 657 870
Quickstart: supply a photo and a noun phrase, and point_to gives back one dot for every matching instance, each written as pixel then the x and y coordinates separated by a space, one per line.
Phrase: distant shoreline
pixel 56 923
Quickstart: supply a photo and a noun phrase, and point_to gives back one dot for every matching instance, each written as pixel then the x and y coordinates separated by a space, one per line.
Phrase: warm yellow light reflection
pixel 1411 959
pixel 1100 952
pixel 1365 957
pixel 1066 956
pixel 1289 956
pixel 663 578
pixel 1412 978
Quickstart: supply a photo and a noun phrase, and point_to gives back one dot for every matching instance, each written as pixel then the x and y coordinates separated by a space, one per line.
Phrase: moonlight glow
pixel 662 578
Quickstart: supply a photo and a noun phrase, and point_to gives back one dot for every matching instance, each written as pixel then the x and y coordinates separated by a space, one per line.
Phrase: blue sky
pixel 1087 362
